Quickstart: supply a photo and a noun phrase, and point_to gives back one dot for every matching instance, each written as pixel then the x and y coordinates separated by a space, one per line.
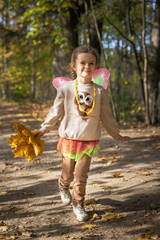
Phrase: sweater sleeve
pixel 106 117
pixel 55 112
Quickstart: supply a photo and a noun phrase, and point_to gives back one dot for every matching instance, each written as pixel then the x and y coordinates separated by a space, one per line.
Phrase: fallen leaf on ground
pixel 110 216
pixel 71 238
pixel 147 214
pixel 95 185
pixel 6 208
pixel 131 146
pixel 13 237
pixel 143 181
pixel 145 236
pixel 109 162
pixel 124 180
pixel 94 217
pixel 16 168
pixel 103 158
pixel 116 175
pixel 105 186
pixel 27 234
pixel 145 173
pixel 8 176
pixel 91 201
pixel 93 235
pixel 45 235
pixel 29 193
pixel 89 226
pixel 21 211
pixel 4 193
pixel 58 166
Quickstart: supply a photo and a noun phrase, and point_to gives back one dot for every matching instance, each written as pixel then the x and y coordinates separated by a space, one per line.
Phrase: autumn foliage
pixel 25 144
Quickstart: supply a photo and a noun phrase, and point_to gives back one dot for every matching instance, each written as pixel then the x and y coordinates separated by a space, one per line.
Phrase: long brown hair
pixel 79 50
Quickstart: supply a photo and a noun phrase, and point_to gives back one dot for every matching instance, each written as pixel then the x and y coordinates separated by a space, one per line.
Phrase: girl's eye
pixel 83 63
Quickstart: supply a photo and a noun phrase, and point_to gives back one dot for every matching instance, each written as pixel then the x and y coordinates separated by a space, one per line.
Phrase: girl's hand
pixel 38 134
pixel 124 139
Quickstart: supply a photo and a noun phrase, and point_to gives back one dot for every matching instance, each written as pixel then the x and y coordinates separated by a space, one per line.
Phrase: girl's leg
pixel 66 176
pixel 80 179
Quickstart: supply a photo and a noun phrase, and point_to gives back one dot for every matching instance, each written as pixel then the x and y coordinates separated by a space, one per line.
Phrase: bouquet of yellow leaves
pixel 25 143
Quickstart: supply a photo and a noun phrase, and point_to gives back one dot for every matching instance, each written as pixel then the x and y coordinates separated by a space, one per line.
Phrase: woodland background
pixel 38 36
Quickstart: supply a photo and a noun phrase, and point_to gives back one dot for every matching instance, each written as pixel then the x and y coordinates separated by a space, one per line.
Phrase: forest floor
pixel 123 190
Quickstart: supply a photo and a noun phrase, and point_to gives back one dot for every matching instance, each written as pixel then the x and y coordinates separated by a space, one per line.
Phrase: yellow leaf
pixel 143 181
pixel 145 173
pixel 89 226
pixel 109 162
pixel 3 237
pixel 105 186
pixel 94 217
pixel 48 172
pixel 110 216
pixel 145 236
pixel 4 193
pixel 13 237
pixel 25 144
pixel 116 175
pixel 95 185
pixel 148 135
pixel 59 165
pixel 29 193
pixel 90 201
pixel 67 236
pixel 8 176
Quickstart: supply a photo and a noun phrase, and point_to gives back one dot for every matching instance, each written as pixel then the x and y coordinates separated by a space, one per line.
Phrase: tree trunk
pixel 33 77
pixel 5 24
pixel 70 22
pixel 93 37
pixel 145 73
pixel 155 67
pixel 102 50
pixel 135 50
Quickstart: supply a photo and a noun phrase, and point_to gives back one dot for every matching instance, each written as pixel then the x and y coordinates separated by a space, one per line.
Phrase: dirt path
pixel 30 205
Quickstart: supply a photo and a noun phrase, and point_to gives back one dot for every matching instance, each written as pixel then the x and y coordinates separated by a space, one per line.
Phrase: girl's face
pixel 84 66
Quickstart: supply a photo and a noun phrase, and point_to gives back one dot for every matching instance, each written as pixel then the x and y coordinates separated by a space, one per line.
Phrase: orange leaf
pixel 116 175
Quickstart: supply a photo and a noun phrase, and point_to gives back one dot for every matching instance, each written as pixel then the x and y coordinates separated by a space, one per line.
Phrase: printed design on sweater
pixel 86 101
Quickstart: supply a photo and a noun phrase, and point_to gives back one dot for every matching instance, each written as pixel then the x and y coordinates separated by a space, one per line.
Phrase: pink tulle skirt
pixel 76 149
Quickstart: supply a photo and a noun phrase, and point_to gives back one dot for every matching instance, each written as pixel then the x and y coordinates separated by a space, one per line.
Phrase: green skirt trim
pixel 91 152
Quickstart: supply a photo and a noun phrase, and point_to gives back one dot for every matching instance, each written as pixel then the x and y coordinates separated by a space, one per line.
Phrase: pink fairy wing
pixel 57 82
pixel 101 77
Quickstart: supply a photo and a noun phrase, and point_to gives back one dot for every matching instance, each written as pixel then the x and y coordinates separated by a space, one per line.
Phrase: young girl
pixel 82 105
